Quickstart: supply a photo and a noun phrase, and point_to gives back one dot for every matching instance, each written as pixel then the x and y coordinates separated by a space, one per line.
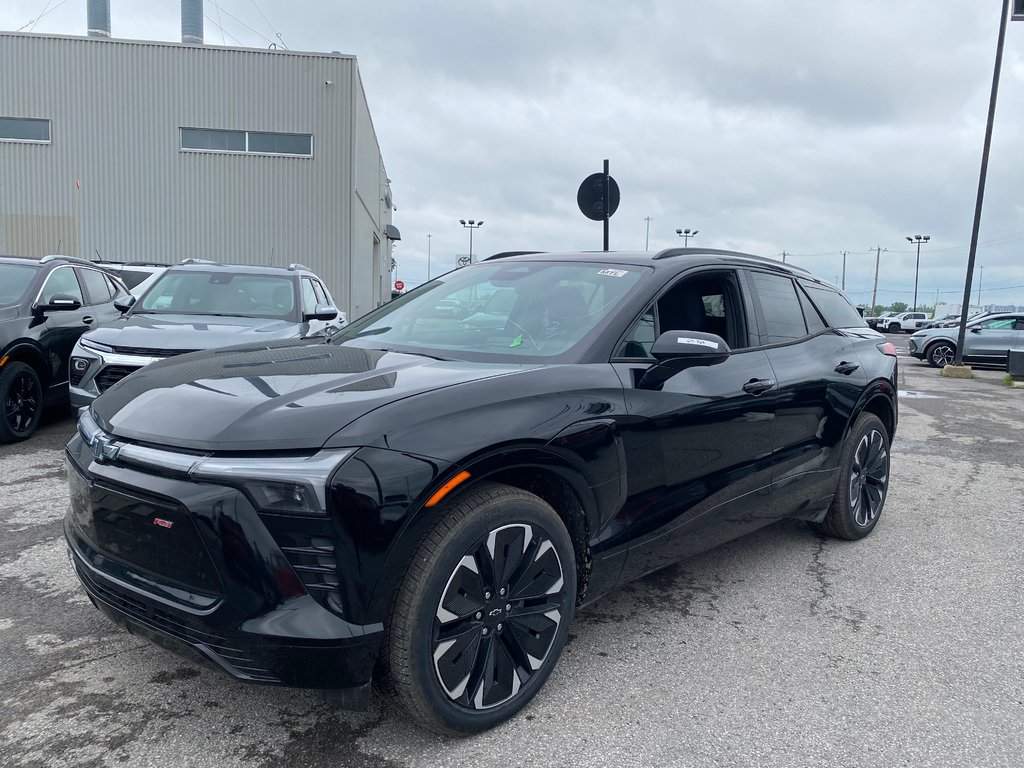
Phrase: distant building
pixel 155 151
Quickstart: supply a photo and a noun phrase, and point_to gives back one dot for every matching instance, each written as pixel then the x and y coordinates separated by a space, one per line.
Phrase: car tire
pixel 940 354
pixel 21 402
pixel 491 592
pixel 863 481
pixel 894 328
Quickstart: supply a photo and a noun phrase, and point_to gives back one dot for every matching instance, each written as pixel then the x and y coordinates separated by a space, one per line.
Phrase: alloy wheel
pixel 22 403
pixel 869 478
pixel 498 616
pixel 942 355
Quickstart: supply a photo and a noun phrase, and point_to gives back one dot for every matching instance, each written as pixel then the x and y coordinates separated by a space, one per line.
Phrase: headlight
pixel 90 344
pixel 289 485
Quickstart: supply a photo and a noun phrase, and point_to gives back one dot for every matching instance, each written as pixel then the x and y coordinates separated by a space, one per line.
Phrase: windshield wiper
pixel 371 332
pixel 409 352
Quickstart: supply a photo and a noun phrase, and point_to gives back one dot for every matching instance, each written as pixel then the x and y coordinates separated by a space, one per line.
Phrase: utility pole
pixel 428 256
pixel 980 278
pixel 647 237
pixel 874 291
pixel 843 286
pixel 783 257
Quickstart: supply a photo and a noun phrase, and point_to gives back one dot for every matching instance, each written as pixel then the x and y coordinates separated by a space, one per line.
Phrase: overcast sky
pixel 799 125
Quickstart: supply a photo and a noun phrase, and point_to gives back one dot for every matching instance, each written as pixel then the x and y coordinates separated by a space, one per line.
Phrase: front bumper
pixel 192 568
pixel 915 349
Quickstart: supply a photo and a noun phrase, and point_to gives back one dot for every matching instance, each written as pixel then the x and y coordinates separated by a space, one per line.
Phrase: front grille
pixel 112 374
pixel 313 559
pixel 233 653
pixel 148 352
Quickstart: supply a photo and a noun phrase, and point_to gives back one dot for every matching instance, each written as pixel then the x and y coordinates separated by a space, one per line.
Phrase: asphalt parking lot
pixel 780 649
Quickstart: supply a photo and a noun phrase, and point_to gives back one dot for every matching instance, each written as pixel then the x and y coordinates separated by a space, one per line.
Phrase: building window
pixel 24 129
pixel 249 142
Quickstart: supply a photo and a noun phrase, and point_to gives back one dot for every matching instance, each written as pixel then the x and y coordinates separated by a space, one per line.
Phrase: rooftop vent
pixel 192 22
pixel 99 18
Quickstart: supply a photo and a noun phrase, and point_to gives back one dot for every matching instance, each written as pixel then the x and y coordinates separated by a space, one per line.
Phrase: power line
pixel 272 29
pixel 258 34
pixel 224 31
pixel 45 7
pixel 32 22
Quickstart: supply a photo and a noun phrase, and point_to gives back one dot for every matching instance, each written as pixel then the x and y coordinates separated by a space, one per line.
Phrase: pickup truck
pixel 905 322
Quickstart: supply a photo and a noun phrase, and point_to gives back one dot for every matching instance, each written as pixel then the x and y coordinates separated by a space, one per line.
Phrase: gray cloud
pixel 799 125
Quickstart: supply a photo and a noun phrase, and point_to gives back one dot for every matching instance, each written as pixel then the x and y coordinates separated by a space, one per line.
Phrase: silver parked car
pixel 986 342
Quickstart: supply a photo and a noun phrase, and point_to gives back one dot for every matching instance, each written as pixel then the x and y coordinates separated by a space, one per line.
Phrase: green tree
pixel 898 306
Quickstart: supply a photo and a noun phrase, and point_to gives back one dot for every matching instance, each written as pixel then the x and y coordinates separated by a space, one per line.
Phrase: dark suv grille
pixel 147 352
pixel 233 653
pixel 112 374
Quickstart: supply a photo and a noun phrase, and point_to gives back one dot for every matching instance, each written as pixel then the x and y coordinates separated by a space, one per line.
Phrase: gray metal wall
pixel 113 178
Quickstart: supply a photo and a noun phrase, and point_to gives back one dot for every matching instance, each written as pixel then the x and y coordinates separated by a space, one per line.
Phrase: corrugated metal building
pixel 159 151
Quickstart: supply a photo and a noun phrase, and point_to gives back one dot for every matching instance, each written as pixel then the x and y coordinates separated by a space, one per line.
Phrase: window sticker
pixel 699 342
pixel 613 272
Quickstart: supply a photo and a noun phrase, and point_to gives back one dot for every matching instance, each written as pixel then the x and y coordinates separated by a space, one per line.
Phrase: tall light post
pixel 471 225
pixel 686 234
pixel 917 268
pixel 843 286
pixel 981 277
pixel 647 237
pixel 428 257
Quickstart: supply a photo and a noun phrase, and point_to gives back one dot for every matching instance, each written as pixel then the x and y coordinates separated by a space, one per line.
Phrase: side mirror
pixel 976 329
pixel 60 302
pixel 676 351
pixel 124 303
pixel 321 312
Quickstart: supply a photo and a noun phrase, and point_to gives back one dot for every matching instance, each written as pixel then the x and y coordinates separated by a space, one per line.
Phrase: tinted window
pixel 132 277
pixel 640 339
pixel 836 308
pixel 999 323
pixel 24 129
pixel 321 293
pixel 14 283
pixel 784 320
pixel 281 143
pixel 96 289
pixel 61 280
pixel 201 138
pixel 811 316
pixel 115 290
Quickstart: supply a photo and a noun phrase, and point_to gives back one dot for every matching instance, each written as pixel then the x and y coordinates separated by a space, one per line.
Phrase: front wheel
pixel 863 483
pixel 895 328
pixel 21 397
pixel 940 354
pixel 483 612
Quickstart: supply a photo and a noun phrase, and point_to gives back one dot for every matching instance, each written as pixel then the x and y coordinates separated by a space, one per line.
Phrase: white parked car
pixel 905 322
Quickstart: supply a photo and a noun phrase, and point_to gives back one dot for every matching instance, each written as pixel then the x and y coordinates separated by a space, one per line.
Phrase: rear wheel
pixel 21 396
pixel 940 354
pixel 483 613
pixel 863 484
pixel 895 328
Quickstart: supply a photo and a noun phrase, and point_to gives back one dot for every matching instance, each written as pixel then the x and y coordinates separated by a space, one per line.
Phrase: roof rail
pixel 75 259
pixel 507 254
pixel 670 252
pixel 191 260
pixel 299 266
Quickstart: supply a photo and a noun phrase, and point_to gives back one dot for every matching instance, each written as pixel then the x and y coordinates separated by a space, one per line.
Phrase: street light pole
pixel 917 268
pixel 874 291
pixel 980 278
pixel 428 257
pixel 686 234
pixel 471 225
pixel 843 286
pixel 647 237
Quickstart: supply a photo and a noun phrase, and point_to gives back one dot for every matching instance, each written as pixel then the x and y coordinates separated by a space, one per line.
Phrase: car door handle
pixel 87 319
pixel 846 368
pixel 757 386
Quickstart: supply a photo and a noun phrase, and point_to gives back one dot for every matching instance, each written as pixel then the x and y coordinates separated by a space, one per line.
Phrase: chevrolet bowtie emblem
pixel 104 449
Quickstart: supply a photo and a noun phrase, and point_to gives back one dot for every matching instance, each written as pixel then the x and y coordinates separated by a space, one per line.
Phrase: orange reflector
pixel 3 360
pixel 445 489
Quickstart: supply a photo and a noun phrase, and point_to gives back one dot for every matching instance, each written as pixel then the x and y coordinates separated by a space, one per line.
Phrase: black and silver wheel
pixel 22 397
pixel 940 354
pixel 863 483
pixel 484 611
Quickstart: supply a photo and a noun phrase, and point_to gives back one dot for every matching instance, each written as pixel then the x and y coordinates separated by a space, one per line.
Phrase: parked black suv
pixel 428 502
pixel 45 305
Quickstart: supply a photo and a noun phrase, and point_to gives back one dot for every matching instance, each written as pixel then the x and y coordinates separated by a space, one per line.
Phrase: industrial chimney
pixel 99 18
pixel 192 22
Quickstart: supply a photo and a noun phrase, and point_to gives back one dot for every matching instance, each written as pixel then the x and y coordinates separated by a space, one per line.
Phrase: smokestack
pixel 192 22
pixel 99 18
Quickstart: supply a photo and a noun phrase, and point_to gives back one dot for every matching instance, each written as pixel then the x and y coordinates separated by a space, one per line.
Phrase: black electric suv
pixel 45 305
pixel 426 502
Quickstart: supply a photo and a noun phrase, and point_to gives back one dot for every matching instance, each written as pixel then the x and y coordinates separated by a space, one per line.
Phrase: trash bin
pixel 1015 362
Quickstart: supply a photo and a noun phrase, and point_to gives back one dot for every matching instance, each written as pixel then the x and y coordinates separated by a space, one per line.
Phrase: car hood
pixel 283 395
pixel 176 333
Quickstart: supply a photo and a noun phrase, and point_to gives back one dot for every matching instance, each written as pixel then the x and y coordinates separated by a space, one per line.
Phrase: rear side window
pixel 780 305
pixel 308 296
pixel 63 281
pixel 814 322
pixel 836 308
pixel 97 289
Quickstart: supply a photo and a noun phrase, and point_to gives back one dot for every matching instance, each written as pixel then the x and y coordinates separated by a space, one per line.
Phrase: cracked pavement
pixel 780 649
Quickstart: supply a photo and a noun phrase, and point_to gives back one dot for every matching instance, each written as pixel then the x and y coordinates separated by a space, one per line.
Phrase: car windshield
pixel 14 282
pixel 502 311
pixel 220 293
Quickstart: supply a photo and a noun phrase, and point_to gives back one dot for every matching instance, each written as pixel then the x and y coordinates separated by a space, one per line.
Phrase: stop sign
pixel 399 285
